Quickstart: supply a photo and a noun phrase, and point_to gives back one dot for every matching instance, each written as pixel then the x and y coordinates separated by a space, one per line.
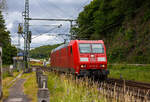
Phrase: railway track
pixel 118 82
pixel 138 90
pixel 129 83
pixel 119 88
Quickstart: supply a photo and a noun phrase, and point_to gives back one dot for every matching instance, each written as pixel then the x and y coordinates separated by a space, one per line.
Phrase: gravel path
pixel 16 93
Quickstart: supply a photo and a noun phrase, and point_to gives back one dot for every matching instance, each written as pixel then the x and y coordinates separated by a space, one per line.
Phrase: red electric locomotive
pixel 81 57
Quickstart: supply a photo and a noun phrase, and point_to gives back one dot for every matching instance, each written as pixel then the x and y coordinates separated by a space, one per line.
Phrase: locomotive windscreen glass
pixel 85 48
pixel 91 48
pixel 97 48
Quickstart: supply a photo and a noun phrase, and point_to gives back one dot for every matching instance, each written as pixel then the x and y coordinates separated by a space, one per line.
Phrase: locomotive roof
pixel 89 41
pixel 60 47
pixel 78 41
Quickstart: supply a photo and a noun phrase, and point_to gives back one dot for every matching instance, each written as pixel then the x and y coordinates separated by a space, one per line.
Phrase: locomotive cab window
pixel 91 48
pixel 97 48
pixel 85 48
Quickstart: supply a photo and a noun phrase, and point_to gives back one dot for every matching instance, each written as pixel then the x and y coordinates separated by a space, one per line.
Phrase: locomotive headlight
pixel 92 56
pixel 102 59
pixel 83 66
pixel 102 65
pixel 84 59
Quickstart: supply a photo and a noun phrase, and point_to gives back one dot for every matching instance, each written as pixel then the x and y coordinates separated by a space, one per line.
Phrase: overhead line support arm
pixel 50 19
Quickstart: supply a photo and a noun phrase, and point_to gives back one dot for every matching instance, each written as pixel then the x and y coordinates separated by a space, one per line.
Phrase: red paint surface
pixel 63 58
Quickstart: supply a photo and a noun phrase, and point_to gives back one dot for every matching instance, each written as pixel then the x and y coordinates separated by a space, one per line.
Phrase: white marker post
pixel 0 71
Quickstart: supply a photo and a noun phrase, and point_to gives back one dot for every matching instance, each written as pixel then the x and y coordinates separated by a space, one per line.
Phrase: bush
pixel 129 35
pixel 117 55
pixel 147 15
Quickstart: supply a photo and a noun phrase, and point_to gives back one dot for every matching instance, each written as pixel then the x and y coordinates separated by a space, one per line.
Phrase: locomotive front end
pixel 93 59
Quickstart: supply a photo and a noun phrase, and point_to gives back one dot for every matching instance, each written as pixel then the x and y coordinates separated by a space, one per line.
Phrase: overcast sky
pixel 43 9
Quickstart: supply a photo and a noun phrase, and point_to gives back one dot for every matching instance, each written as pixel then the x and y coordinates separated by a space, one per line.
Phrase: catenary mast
pixel 26 35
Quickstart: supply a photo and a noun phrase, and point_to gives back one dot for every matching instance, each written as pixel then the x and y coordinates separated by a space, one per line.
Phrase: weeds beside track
pixel 137 91
pixel 121 90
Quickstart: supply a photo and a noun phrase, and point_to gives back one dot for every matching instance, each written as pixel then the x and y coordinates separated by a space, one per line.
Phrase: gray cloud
pixel 43 9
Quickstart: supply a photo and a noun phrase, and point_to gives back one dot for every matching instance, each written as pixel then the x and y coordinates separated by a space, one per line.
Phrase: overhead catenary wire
pixel 44 33
pixel 46 25
pixel 79 8
pixel 45 9
pixel 62 11
pixel 54 5
pixel 55 26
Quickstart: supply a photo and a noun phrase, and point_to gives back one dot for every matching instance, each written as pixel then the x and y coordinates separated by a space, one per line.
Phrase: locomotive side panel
pixel 70 58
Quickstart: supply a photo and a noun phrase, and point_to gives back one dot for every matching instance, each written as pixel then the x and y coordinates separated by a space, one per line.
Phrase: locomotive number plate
pixel 92 59
pixel 93 66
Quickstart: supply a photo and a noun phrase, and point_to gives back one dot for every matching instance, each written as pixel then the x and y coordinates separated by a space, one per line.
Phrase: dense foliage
pixel 9 51
pixel 122 24
pixel 130 72
pixel 42 52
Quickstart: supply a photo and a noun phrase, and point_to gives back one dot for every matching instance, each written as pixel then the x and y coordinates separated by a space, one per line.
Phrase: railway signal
pixel 20 28
pixel 30 36
pixel 20 32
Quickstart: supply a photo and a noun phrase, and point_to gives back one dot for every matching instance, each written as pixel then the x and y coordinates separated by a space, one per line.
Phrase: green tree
pixel 8 50
pixel 42 52
pixel 122 24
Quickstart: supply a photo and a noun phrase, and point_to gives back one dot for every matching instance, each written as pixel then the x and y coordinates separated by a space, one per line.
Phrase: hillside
pixel 42 52
pixel 124 25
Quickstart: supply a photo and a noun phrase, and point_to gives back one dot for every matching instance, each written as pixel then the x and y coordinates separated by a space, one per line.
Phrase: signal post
pixel 0 70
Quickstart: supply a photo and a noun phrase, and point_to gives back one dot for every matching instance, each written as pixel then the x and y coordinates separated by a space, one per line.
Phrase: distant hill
pixel 42 52
pixel 124 25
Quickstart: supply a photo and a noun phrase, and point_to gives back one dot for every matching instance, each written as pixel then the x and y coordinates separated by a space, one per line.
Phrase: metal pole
pixel 26 35
pixel 71 25
pixel 0 72
pixel 19 44
pixel 50 19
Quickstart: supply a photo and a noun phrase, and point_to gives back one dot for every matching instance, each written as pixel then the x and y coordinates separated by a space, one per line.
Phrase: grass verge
pixel 130 72
pixel 30 86
pixel 67 89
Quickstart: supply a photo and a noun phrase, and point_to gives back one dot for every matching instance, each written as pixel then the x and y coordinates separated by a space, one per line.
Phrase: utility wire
pixel 47 10
pixel 44 33
pixel 61 10
pixel 47 25
pixel 40 5
pixel 41 31
pixel 79 8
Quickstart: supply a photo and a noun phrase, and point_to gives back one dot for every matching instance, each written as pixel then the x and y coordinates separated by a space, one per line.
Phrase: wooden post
pixel 0 71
